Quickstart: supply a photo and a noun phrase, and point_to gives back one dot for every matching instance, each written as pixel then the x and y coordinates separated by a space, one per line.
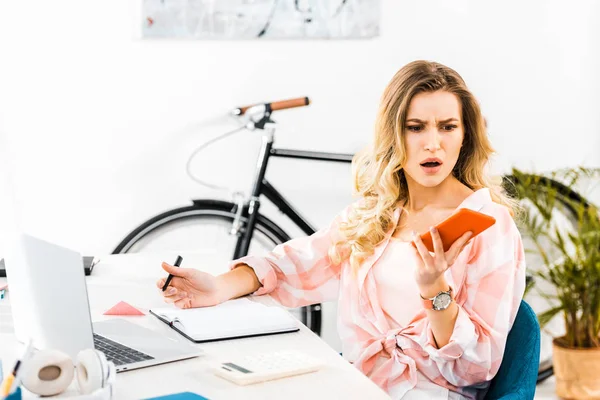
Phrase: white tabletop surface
pixel 132 278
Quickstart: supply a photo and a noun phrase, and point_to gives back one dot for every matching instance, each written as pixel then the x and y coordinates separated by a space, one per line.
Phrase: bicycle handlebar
pixel 275 105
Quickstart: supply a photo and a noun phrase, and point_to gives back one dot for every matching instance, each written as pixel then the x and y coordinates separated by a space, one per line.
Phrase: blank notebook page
pixel 233 318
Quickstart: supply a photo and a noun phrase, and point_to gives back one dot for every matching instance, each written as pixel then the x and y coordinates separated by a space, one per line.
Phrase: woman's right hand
pixel 190 288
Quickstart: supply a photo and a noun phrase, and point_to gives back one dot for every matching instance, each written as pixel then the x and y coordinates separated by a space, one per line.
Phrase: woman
pixel 427 160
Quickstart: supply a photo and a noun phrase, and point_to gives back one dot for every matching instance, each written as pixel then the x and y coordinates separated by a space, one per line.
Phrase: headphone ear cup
pixel 92 370
pixel 47 372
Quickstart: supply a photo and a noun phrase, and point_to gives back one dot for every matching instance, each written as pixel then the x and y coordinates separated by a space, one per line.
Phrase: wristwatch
pixel 439 302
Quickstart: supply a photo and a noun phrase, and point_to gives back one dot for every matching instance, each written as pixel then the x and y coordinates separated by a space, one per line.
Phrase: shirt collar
pixel 476 200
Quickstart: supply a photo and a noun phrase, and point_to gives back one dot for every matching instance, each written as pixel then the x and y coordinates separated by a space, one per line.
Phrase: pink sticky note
pixel 122 308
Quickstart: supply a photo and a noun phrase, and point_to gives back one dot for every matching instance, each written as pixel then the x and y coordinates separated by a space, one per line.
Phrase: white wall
pixel 101 123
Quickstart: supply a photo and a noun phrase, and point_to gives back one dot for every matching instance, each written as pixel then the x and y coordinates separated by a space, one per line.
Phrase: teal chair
pixel 517 376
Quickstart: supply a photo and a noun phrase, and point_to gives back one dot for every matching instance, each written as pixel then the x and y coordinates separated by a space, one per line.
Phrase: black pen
pixel 177 264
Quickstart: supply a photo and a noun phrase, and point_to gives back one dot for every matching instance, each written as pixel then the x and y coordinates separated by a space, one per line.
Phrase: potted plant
pixel 570 258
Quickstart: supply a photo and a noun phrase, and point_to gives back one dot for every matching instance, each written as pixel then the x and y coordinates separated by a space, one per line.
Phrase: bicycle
pixel 241 221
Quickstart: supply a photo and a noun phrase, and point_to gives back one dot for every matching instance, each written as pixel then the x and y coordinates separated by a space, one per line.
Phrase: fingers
pixel 171 291
pixel 160 283
pixel 183 303
pixel 173 295
pixel 457 247
pixel 462 241
pixel 176 271
pixel 438 246
pixel 427 259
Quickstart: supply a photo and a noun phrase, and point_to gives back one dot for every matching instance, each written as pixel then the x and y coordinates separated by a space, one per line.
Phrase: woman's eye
pixel 414 128
pixel 449 128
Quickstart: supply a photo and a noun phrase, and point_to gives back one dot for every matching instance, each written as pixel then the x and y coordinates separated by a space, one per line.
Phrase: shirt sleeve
pixel 487 307
pixel 299 272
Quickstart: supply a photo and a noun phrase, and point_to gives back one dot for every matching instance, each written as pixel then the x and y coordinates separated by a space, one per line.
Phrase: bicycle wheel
pixel 204 230
pixel 565 218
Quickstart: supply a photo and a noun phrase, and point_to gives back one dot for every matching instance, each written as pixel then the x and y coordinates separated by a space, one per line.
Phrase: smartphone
pixel 458 224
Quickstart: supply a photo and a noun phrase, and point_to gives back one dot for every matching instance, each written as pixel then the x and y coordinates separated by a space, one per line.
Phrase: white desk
pixel 132 278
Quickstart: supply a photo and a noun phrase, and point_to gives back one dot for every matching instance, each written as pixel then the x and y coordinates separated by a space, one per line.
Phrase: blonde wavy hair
pixel 378 175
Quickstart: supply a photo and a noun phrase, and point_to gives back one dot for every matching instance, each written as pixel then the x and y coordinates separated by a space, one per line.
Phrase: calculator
pixel 266 366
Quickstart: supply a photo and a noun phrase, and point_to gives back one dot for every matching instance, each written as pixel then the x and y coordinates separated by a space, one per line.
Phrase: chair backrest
pixel 519 369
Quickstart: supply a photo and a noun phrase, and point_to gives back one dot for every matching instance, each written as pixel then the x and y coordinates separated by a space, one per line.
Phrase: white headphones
pixel 50 372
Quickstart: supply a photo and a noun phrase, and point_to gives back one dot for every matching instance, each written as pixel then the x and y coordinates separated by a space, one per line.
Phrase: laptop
pixel 88 265
pixel 49 301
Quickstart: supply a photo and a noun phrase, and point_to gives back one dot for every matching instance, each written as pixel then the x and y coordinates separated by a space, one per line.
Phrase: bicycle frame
pixel 262 186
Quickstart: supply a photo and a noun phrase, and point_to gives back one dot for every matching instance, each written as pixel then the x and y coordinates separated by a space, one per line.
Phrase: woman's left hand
pixel 432 267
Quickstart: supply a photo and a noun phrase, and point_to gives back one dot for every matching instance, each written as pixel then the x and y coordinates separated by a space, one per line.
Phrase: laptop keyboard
pixel 117 353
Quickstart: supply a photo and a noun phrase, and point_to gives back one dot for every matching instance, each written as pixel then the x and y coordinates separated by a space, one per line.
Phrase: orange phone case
pixel 458 224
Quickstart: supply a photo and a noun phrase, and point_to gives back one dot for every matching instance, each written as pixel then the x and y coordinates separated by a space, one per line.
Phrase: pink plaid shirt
pixel 488 279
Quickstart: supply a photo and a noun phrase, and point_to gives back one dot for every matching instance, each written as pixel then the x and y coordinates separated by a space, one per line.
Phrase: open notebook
pixel 232 319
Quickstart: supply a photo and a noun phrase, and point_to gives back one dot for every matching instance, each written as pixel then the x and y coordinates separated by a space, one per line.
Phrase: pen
pixel 177 264
pixel 6 384
pixel 11 382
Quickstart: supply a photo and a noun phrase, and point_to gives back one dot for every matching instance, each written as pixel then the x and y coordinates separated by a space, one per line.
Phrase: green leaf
pixel 570 257
pixel 548 315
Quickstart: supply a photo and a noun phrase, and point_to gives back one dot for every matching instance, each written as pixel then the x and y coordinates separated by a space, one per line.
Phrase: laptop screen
pixel 48 296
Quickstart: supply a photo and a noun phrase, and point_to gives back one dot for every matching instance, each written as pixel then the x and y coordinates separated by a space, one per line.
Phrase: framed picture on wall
pixel 261 19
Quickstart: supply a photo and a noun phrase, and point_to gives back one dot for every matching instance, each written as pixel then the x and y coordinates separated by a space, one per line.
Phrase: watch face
pixel 442 301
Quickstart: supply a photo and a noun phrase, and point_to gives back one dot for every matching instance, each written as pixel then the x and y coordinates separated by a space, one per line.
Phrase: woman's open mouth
pixel 431 165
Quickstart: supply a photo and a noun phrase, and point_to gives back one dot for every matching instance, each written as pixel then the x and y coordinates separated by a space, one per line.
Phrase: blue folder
pixel 180 396
pixel 15 396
